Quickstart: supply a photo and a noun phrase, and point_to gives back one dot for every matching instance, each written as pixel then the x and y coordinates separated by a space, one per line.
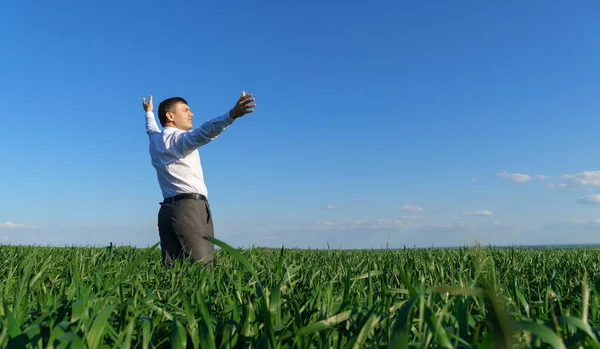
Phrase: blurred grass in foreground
pixel 276 298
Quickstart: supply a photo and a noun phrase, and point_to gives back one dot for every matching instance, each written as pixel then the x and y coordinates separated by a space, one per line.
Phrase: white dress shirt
pixel 175 156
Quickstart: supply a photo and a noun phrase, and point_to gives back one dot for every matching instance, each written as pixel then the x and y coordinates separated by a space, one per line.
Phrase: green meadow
pixel 122 297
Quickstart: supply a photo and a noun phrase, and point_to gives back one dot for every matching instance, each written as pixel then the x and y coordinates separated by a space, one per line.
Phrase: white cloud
pixel 558 186
pixel 585 178
pixel 328 207
pixel 520 177
pixel 593 199
pixel 412 218
pixel 11 225
pixel 514 177
pixel 572 181
pixel 412 208
pixel 478 213
pixel 361 224
pixel 375 233
pixel 565 181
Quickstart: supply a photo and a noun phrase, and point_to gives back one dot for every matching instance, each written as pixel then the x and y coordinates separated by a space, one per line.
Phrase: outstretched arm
pixel 187 142
pixel 151 125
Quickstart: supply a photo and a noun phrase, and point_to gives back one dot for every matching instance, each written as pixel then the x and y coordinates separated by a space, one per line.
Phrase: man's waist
pixel 174 186
pixel 184 196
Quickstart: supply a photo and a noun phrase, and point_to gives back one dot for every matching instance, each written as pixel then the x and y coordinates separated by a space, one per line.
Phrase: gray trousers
pixel 182 226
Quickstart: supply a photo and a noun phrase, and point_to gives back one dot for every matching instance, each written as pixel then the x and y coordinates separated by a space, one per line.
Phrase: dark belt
pixel 190 196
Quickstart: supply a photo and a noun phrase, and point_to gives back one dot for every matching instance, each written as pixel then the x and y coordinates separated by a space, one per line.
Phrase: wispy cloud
pixel 328 207
pixel 412 218
pixel 362 224
pixel 520 177
pixel 559 186
pixel 593 199
pixel 478 213
pixel 11 225
pixel 565 181
pixel 412 208
pixel 364 233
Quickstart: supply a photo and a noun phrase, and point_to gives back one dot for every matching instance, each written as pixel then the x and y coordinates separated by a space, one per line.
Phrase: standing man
pixel 185 218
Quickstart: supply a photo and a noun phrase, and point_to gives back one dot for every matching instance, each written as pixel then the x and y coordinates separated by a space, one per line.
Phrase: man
pixel 185 218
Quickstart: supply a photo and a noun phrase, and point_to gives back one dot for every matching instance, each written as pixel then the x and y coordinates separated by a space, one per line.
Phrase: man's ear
pixel 169 116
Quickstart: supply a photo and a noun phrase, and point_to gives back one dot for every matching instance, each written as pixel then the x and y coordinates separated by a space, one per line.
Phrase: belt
pixel 192 196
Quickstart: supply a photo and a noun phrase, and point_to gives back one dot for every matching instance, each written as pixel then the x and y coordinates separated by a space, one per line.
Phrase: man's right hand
pixel 147 106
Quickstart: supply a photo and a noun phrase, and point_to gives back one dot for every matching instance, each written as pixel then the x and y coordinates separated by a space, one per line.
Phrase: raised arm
pixel 151 125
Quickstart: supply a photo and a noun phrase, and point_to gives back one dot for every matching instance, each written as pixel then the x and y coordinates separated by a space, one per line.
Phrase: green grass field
pixel 277 298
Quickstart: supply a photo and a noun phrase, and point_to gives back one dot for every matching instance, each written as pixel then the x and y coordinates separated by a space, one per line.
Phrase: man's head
pixel 175 112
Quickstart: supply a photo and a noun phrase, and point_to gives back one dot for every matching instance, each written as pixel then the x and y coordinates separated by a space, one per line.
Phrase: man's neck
pixel 171 125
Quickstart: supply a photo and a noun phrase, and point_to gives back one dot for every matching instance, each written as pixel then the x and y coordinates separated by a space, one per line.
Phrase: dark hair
pixel 166 106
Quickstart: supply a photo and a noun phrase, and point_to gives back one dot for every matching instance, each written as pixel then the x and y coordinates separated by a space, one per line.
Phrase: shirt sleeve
pixel 151 125
pixel 188 141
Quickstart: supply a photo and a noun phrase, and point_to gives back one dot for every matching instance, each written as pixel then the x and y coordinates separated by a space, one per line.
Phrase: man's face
pixel 181 116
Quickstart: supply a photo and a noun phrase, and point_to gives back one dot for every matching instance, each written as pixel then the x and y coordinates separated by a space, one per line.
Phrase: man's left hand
pixel 242 106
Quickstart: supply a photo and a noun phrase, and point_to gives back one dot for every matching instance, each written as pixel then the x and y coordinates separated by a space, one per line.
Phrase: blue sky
pixel 404 123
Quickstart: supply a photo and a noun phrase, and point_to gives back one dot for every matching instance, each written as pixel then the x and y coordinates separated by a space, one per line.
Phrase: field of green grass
pixel 277 298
